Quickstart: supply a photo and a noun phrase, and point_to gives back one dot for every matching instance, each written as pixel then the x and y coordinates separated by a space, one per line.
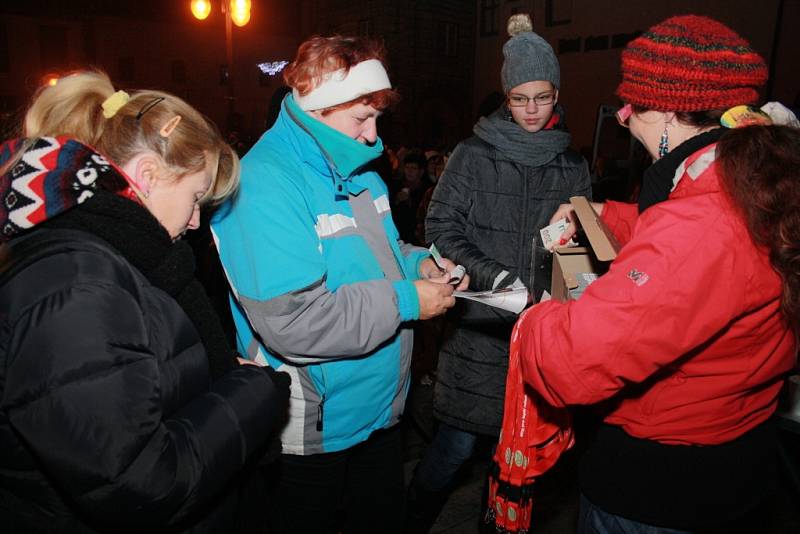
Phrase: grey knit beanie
pixel 528 57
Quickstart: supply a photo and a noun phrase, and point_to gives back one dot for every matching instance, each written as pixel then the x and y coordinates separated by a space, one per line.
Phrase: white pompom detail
pixel 521 22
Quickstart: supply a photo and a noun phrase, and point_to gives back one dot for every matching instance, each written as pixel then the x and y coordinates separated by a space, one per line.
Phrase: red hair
pixel 761 173
pixel 319 56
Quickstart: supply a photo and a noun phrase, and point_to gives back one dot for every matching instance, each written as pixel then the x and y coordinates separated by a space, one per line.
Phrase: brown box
pixel 570 261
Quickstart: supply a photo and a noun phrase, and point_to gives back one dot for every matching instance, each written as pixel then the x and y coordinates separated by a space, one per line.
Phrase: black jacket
pixel 485 213
pixel 108 418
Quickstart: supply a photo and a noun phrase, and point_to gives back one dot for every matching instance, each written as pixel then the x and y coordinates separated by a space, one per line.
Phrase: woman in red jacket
pixel 687 338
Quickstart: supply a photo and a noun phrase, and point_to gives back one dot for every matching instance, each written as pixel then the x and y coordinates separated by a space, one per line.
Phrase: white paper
pixel 437 257
pixel 508 298
pixel 456 275
pixel 551 235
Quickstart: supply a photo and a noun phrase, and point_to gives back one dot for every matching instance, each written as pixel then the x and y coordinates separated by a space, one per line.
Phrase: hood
pixel 345 156
pixel 49 176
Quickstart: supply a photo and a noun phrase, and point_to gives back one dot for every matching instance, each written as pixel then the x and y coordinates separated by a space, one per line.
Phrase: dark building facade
pixel 444 55
pixel 588 37
pixel 148 44
pixel 431 58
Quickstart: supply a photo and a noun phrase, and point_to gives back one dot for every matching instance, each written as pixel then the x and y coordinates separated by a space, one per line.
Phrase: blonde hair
pixel 73 108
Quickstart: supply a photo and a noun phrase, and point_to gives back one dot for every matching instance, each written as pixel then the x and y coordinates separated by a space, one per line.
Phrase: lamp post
pixel 235 12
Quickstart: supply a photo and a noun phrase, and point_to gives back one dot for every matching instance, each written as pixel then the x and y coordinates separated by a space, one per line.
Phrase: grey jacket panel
pixel 314 324
pixel 370 227
pixel 408 248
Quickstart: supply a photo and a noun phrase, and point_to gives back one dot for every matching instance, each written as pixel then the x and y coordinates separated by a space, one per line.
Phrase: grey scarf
pixel 515 144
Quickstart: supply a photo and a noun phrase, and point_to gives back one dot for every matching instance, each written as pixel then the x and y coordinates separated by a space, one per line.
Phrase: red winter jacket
pixel 684 332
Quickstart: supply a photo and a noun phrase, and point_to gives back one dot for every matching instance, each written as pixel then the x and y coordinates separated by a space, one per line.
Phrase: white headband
pixel 343 86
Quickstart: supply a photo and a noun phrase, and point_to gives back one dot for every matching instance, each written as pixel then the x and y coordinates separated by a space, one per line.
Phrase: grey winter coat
pixel 485 213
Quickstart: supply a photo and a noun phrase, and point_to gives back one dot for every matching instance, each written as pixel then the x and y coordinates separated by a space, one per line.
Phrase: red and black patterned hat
pixel 690 63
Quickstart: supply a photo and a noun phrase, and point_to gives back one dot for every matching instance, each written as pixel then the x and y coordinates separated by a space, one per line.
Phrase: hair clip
pixel 147 107
pixel 112 104
pixel 168 128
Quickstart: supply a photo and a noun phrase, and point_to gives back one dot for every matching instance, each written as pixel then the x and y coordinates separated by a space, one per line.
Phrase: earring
pixel 663 146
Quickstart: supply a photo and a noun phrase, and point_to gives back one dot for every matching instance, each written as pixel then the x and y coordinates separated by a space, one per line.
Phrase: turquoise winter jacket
pixel 322 285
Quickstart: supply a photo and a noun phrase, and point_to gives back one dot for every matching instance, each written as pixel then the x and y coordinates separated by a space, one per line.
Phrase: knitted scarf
pixel 515 144
pixel 140 238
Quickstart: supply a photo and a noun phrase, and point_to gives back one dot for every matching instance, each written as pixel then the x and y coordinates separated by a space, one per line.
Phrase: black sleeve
pixel 446 222
pixel 83 395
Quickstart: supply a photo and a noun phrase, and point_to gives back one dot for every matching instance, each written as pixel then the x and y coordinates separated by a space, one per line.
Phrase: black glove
pixel 281 380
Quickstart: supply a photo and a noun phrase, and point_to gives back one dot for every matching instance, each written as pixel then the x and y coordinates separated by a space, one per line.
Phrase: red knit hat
pixel 690 63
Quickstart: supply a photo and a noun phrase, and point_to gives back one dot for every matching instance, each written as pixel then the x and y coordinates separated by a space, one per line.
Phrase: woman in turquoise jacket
pixel 324 289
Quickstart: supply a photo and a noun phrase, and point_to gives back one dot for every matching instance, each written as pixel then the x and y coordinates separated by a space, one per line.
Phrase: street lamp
pixel 240 12
pixel 201 9
pixel 236 12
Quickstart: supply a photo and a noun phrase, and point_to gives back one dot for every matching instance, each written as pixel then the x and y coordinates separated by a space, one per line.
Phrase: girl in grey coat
pixel 499 188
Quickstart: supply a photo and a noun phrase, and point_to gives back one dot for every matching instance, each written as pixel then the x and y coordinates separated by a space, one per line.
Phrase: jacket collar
pixel 661 178
pixel 342 158
pixel 696 174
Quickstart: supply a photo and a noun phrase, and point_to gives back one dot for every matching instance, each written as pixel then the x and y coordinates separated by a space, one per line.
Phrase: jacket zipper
pixel 523 229
pixel 321 406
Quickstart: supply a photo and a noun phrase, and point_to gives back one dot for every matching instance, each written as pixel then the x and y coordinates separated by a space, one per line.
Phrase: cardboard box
pixel 570 262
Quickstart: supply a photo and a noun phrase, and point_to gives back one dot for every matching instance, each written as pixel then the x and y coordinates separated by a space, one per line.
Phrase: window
pixel 53 47
pixel 595 42
pixel 489 9
pixel 448 38
pixel 557 12
pixel 127 69
pixel 365 27
pixel 89 43
pixel 178 71
pixel 619 40
pixel 4 60
pixel 566 46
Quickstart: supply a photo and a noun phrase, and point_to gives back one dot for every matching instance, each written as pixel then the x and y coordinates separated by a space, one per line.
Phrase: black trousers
pixel 357 490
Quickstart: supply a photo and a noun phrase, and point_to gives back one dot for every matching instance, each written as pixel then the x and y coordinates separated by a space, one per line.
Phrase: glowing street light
pixel 240 12
pixel 201 9
pixel 236 12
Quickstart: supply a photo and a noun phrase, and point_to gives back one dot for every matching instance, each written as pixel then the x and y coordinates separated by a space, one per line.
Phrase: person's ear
pixel 555 97
pixel 146 174
pixel 669 117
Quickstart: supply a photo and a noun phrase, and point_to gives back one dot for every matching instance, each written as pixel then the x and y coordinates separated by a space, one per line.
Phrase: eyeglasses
pixel 623 114
pixel 518 101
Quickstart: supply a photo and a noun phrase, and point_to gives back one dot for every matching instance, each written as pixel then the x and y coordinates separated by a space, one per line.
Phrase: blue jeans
pixel 447 452
pixel 593 520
